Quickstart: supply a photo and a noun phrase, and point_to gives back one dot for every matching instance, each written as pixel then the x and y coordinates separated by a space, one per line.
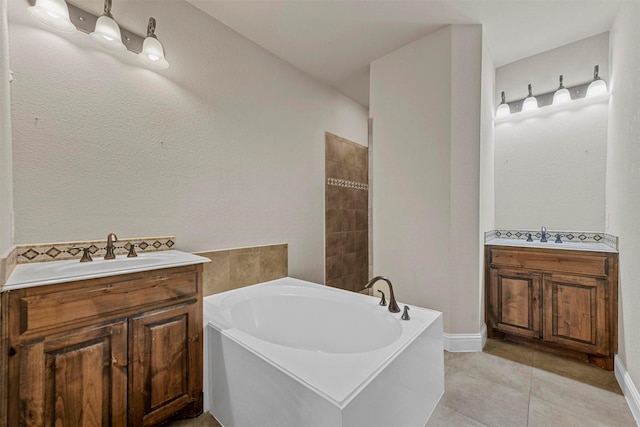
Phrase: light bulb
pixel 530 103
pixel 54 14
pixel 561 95
pixel 152 54
pixel 503 109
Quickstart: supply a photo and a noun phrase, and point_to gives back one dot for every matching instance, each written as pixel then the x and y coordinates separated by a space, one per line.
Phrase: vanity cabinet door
pixel 166 371
pixel 576 313
pixel 74 379
pixel 514 302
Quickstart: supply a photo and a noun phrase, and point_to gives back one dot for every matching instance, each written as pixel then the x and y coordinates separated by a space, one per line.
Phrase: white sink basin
pixel 47 273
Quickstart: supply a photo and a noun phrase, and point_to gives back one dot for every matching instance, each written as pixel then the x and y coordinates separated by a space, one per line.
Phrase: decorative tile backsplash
pixel 570 236
pixel 73 250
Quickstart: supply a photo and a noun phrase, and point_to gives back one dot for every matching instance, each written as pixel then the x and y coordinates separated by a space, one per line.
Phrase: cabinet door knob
pixel 12 351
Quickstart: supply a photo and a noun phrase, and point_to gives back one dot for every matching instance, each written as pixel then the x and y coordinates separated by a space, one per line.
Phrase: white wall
pixel 550 166
pixel 6 175
pixel 224 149
pixel 623 180
pixel 487 154
pixel 425 105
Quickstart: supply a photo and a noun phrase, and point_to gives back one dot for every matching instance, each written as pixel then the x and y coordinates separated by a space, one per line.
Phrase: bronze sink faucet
pixel 111 237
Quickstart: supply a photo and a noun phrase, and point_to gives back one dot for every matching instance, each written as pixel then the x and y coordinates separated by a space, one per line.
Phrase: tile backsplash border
pixel 572 236
pixel 43 252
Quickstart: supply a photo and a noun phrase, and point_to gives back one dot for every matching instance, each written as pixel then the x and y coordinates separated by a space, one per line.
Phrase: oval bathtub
pixel 294 353
pixel 313 322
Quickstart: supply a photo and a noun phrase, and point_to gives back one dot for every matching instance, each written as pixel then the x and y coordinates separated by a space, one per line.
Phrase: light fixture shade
pixel 503 109
pixel 107 34
pixel 597 86
pixel 530 103
pixel 561 95
pixel 53 13
pixel 152 54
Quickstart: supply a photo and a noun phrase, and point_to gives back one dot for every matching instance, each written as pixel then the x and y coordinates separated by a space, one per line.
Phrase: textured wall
pixel 487 159
pixel 223 149
pixel 623 182
pixel 550 168
pixel 425 105
pixel 6 169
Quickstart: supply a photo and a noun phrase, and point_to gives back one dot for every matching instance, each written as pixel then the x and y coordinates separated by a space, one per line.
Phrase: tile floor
pixel 512 385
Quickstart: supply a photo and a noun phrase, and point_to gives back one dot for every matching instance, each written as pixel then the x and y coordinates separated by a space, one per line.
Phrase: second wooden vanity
pixel 563 301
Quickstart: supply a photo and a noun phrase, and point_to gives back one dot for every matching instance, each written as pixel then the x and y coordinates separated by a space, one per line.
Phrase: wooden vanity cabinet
pixel 114 351
pixel 559 300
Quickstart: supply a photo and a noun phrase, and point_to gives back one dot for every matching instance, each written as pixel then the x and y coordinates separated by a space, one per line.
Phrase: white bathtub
pixel 294 353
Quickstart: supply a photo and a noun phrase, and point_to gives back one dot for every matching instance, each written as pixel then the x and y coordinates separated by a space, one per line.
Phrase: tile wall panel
pixel 346 214
pixel 236 268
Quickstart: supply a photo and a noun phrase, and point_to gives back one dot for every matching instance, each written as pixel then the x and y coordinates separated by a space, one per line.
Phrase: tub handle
pixel 405 313
pixel 383 301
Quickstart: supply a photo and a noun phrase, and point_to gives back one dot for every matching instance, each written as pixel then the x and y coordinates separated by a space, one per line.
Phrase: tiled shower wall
pixel 346 213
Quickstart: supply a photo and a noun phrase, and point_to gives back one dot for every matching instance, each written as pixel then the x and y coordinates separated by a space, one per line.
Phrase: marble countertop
pixel 52 272
pixel 573 246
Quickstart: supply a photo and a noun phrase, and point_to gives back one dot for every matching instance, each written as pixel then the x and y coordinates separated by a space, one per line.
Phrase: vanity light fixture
pixel 152 54
pixel 561 95
pixel 104 30
pixel 503 109
pixel 54 14
pixel 597 86
pixel 107 32
pixel 530 103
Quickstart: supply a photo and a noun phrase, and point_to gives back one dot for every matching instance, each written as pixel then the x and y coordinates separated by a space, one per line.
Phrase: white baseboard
pixel 628 388
pixel 465 342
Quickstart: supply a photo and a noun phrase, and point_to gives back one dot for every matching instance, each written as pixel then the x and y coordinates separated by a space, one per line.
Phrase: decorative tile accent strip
pixel 7 265
pixel 567 236
pixel 73 250
pixel 488 235
pixel 611 240
pixel 347 184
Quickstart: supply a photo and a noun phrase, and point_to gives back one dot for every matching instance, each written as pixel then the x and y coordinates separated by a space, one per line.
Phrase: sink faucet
pixel 110 239
pixel 543 231
pixel 393 305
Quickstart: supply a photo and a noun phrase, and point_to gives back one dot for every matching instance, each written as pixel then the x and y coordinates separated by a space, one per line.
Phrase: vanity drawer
pixel 561 261
pixel 54 306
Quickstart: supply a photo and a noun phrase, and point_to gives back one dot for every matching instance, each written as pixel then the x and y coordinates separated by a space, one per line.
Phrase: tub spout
pixel 393 305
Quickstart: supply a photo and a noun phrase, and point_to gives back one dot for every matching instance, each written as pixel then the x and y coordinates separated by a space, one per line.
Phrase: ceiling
pixel 334 41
